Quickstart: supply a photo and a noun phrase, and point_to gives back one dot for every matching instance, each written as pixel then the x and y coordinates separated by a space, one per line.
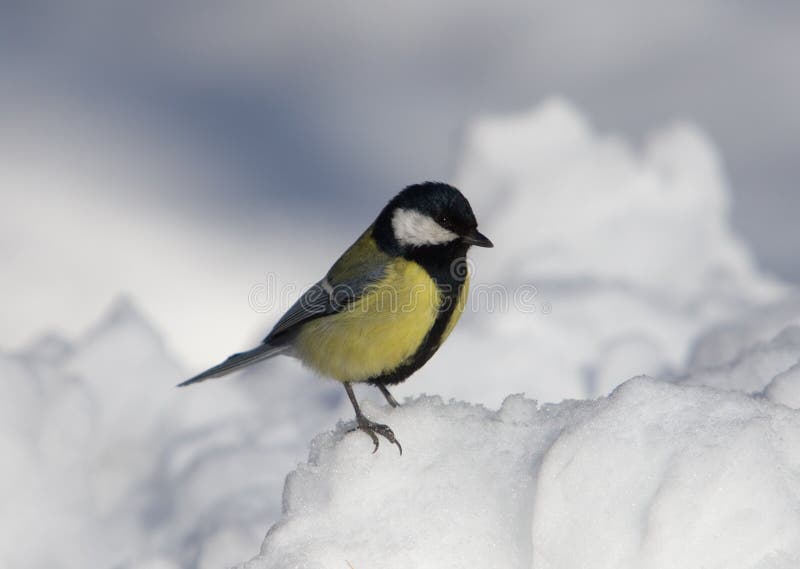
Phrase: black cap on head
pixel 428 214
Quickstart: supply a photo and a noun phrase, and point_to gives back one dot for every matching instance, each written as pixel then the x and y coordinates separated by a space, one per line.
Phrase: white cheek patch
pixel 412 228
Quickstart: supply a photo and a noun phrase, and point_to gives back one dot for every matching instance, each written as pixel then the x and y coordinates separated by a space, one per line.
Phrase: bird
pixel 386 305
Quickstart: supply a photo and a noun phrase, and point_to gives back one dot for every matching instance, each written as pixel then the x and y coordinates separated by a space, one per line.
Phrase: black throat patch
pixel 447 266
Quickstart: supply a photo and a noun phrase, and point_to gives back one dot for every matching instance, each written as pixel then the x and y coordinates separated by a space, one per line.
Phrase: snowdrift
pixel 653 476
pixel 612 258
pixel 103 463
pixel 104 460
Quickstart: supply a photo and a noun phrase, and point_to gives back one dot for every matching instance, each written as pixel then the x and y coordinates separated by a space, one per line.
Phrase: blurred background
pixel 164 163
pixel 167 149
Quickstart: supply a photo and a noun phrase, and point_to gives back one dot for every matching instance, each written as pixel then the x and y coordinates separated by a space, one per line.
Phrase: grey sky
pixel 336 105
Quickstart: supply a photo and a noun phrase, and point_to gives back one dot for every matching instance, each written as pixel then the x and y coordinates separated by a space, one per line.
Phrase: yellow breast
pixel 377 333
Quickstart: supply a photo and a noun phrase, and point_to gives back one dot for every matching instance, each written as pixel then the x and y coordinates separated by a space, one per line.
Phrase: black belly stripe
pixel 428 347
pixel 449 278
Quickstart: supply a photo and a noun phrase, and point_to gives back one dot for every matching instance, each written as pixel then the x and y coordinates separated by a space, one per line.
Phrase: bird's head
pixel 430 214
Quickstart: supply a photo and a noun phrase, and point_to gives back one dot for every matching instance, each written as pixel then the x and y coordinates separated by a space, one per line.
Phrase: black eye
pixel 442 219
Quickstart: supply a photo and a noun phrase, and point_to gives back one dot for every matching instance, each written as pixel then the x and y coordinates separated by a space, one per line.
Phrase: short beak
pixel 477 238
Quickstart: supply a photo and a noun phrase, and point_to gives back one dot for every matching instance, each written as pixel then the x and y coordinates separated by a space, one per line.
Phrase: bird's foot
pixel 374 429
pixel 392 401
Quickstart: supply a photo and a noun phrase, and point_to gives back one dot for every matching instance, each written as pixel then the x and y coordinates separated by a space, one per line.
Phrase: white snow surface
pixel 653 476
pixel 105 460
pixel 103 463
pixel 758 353
pixel 111 466
pixel 613 258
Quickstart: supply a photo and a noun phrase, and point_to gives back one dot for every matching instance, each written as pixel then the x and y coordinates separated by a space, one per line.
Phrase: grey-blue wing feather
pixel 237 361
pixel 362 265
pixel 315 302
pixel 323 299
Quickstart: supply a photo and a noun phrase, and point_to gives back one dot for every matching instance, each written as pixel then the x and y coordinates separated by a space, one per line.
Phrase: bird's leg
pixel 392 401
pixel 372 428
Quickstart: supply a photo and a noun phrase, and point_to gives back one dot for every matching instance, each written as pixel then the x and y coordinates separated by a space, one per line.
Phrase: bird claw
pixel 374 429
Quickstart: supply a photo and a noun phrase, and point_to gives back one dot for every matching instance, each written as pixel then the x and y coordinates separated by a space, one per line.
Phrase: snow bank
pixel 758 353
pixel 103 460
pixel 653 476
pixel 592 205
pixel 107 463
pixel 630 253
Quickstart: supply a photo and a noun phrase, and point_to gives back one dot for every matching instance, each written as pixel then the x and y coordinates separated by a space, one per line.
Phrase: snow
pixel 104 459
pixel 654 476
pixel 658 474
pixel 616 263
pixel 758 353
pixel 626 256
pixel 592 205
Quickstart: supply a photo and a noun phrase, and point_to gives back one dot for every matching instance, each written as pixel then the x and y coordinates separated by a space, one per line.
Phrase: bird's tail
pixel 237 361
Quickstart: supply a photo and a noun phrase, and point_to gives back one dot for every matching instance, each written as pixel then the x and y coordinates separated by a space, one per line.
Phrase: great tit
pixel 386 305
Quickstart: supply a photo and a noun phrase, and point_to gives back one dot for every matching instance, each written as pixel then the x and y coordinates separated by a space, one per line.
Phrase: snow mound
pixel 102 458
pixel 758 353
pixel 724 342
pixel 613 259
pixel 593 206
pixel 654 476
pixel 630 256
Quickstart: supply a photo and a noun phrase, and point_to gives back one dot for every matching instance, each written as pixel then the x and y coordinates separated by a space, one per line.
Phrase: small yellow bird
pixel 386 305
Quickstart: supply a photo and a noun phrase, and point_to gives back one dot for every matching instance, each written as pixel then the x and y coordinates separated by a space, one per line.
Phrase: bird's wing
pixel 361 266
